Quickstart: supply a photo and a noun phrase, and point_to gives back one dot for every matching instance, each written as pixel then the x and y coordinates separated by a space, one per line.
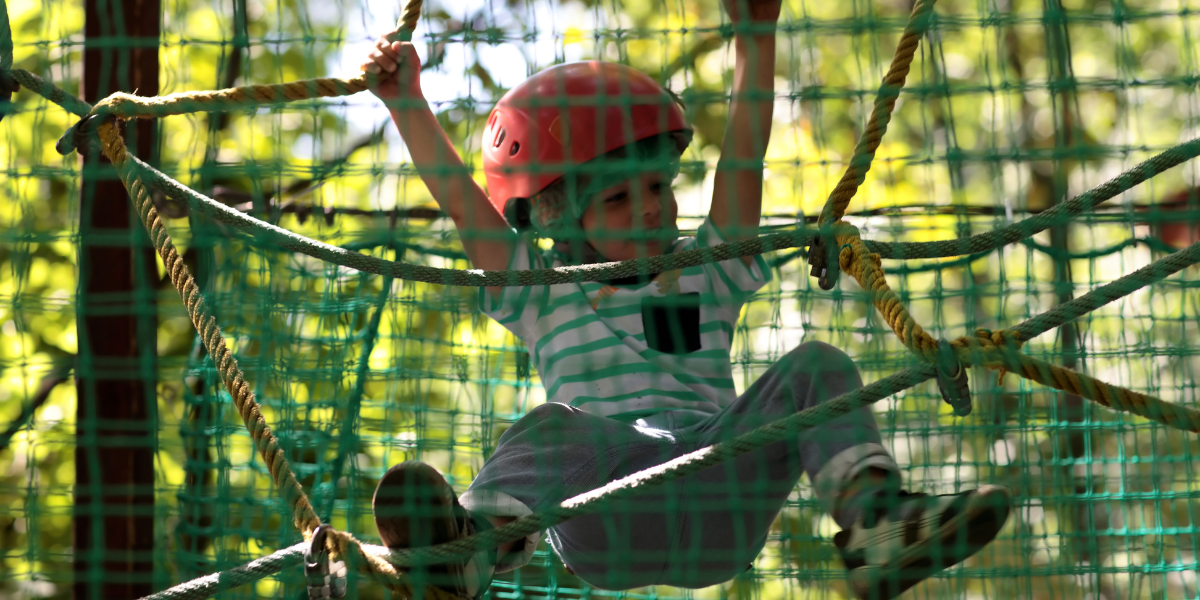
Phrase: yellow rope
pixel 129 106
pixel 303 516
pixel 885 102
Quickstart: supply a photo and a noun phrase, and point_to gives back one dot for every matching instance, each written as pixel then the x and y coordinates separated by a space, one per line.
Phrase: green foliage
pixel 1011 106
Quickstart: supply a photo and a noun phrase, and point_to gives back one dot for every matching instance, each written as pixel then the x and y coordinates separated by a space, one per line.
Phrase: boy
pixel 638 372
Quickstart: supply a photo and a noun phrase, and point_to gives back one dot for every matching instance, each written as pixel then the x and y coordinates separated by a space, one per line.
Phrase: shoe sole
pixel 982 519
pixel 414 491
pixel 414 506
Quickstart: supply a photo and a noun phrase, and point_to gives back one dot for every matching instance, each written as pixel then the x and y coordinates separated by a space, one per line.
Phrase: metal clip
pixel 77 137
pixel 824 261
pixel 952 380
pixel 326 579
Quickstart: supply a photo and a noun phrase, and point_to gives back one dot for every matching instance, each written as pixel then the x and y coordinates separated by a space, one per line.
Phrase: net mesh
pixel 1010 108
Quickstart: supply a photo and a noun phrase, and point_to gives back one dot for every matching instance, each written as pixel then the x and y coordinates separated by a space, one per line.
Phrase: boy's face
pixel 632 219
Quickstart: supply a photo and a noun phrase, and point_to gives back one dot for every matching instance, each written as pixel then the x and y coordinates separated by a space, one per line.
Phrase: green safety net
pixel 1010 109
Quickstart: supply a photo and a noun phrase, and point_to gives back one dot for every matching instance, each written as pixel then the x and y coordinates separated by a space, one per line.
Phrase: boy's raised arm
pixel 486 236
pixel 737 186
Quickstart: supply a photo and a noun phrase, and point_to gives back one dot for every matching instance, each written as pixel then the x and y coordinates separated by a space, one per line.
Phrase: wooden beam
pixel 117 325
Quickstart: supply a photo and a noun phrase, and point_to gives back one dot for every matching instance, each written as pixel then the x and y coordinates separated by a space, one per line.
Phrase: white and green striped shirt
pixel 592 348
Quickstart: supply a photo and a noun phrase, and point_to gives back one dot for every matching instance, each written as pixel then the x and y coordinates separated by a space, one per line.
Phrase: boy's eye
pixel 615 198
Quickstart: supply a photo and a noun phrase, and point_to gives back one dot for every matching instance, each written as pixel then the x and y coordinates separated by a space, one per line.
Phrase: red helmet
pixel 565 116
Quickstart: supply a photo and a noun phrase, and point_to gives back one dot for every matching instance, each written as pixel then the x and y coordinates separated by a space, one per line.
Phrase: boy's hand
pixel 394 70
pixel 753 15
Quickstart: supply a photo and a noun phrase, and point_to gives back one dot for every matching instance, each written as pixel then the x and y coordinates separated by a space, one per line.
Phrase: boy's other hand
pixel 393 70
pixel 754 14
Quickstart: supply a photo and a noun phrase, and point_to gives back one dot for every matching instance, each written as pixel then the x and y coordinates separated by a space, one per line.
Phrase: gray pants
pixel 706 528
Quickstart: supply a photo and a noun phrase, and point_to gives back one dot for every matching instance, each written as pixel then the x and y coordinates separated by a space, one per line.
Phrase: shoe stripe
pixel 895 530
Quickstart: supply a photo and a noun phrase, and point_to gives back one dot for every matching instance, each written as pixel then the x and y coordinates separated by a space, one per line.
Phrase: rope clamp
pixel 952 380
pixel 78 137
pixel 824 261
pixel 325 579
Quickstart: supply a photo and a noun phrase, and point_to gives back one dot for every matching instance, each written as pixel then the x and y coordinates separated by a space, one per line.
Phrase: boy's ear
pixel 516 212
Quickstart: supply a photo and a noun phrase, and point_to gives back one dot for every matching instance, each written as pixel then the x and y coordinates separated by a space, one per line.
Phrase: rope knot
pixel 1003 338
pixel 997 347
pixel 116 104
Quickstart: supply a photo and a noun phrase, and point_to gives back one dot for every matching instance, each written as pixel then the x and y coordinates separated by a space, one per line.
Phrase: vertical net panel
pixel 39 193
pixel 1011 107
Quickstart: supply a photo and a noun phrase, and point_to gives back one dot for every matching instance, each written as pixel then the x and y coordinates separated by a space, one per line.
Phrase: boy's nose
pixel 651 205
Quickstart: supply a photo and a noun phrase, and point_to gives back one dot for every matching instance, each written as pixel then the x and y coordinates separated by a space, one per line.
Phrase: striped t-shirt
pixel 627 351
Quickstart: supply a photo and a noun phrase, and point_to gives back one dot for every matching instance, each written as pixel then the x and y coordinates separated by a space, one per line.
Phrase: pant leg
pixel 556 452
pixel 731 506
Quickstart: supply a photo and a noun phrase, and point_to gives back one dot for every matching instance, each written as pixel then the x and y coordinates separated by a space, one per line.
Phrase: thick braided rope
pixel 280 237
pixel 798 237
pixel 410 15
pixel 995 352
pixel 866 268
pixel 1114 290
pixel 881 114
pixel 1060 214
pixel 984 242
pixel 128 106
pixel 50 92
pixel 206 325
pixel 125 105
pixel 210 585
pixel 999 350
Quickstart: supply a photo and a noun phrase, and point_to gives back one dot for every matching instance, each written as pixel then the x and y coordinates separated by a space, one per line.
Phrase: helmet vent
pixel 516 147
pixel 499 138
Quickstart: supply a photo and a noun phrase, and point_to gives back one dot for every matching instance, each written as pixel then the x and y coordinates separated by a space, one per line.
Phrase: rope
pixel 1060 214
pixel 210 585
pixel 796 238
pixel 271 234
pixel 128 106
pixel 881 115
pixel 206 325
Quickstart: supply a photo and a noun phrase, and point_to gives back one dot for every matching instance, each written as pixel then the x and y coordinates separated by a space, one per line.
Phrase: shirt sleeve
pixel 515 303
pixel 733 281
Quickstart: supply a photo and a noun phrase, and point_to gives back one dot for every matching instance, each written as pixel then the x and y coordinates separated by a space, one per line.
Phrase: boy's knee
pixel 548 417
pixel 551 411
pixel 818 358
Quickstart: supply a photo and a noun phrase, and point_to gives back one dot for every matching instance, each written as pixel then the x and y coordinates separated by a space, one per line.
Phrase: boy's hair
pixel 555 211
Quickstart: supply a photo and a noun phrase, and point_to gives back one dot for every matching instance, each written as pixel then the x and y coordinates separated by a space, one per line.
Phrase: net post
pixel 113 515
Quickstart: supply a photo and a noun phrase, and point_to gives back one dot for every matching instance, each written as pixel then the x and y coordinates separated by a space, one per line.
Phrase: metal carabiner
pixel 952 380
pixel 326 579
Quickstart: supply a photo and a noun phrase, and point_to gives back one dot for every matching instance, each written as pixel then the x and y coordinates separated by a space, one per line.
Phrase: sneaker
pixel 415 507
pixel 892 548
